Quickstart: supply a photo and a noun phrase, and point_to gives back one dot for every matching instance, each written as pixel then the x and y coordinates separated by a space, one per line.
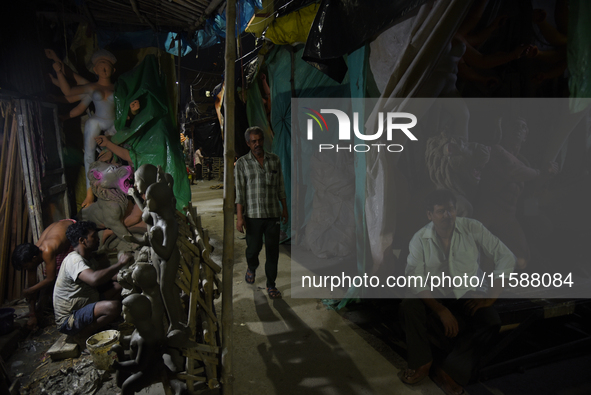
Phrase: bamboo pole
pixel 7 124
pixel 7 206
pixel 30 175
pixel 228 253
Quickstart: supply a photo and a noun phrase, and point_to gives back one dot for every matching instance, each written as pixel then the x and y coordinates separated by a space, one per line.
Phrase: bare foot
pixel 89 198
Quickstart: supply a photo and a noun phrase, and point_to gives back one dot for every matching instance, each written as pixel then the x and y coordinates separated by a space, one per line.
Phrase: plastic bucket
pixel 6 320
pixel 100 345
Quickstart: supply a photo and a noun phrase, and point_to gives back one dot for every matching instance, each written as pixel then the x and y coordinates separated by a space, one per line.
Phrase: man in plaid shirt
pixel 259 189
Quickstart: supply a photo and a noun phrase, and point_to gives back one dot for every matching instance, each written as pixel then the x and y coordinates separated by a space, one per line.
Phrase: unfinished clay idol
pixel 146 365
pixel 110 184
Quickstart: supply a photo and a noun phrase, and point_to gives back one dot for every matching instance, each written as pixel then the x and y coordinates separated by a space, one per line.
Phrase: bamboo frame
pixel 228 252
pixel 7 202
pixel 29 172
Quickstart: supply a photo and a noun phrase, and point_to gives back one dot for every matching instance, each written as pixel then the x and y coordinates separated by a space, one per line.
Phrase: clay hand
pixel 525 50
pixel 131 191
pixel 54 80
pixel 50 53
pixel 57 66
pixel 156 235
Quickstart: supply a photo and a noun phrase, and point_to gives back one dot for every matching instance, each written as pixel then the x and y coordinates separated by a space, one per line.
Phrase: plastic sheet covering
pixel 308 82
pixel 292 28
pixel 151 136
pixel 209 137
pixel 342 26
pixel 81 379
pixel 215 28
pixel 255 111
pixel 386 50
pixel 431 31
pixel 330 232
pixel 579 53
pixel 171 44
pixel 116 40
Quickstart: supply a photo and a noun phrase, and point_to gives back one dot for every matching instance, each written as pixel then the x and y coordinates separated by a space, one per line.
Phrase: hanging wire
pixel 65 32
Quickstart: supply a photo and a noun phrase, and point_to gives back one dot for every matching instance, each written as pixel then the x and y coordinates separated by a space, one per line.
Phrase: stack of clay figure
pixel 171 343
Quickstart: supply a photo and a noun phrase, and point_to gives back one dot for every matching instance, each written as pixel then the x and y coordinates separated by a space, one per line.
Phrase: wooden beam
pixel 228 252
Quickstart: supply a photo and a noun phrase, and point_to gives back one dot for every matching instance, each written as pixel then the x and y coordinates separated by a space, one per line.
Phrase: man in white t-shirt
pixel 80 308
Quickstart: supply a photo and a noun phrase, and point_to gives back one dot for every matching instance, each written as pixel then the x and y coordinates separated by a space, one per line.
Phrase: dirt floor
pixel 288 346
pixel 292 346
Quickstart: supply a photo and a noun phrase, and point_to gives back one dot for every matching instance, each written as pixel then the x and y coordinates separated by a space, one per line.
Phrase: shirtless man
pixel 53 246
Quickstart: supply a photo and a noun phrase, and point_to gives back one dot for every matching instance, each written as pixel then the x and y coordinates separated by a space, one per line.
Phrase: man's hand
pixel 552 168
pixel 450 324
pixel 102 141
pixel 284 216
pixel 240 224
pixel 27 293
pixel 473 305
pixel 125 258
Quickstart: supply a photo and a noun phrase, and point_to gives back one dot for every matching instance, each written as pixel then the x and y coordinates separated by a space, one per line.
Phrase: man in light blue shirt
pixel 449 248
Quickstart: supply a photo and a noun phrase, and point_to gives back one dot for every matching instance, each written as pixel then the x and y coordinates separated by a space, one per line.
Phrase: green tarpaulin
pixel 150 136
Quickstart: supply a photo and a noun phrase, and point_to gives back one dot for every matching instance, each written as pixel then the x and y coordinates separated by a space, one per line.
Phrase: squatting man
pixel 86 298
pixel 463 317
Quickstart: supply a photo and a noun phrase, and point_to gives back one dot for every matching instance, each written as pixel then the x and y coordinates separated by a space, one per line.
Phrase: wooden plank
pixel 62 350
pixel 54 190
pixel 185 269
pixel 201 356
pixel 207 348
pixel 182 286
pixel 9 113
pixel 194 300
pixel 185 376
pixel 7 205
pixel 28 171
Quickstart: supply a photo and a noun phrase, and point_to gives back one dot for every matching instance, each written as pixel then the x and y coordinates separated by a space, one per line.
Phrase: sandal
pixel 414 376
pixel 249 276
pixel 274 293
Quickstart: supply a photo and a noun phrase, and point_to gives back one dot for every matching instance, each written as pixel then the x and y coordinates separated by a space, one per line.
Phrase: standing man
pixel 461 316
pixel 52 247
pixel 259 189
pixel 80 308
pixel 199 163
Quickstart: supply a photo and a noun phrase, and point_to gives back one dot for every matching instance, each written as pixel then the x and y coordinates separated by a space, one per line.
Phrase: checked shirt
pixel 259 190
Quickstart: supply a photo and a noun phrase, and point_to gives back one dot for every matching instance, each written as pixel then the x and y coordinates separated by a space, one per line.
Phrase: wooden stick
pixel 228 251
pixel 8 195
pixel 7 120
pixel 140 16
